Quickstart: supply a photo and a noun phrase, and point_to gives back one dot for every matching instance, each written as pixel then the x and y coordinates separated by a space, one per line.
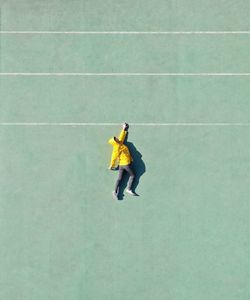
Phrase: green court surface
pixel 62 236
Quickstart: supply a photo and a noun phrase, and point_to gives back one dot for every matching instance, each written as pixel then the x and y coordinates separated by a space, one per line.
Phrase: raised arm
pixel 123 133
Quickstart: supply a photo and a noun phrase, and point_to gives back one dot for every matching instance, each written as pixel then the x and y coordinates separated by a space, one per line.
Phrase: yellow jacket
pixel 120 154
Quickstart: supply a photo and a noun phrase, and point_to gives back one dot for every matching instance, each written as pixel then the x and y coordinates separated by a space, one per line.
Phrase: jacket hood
pixel 112 142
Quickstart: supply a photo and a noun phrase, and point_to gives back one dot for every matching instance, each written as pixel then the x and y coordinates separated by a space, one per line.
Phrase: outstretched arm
pixel 123 133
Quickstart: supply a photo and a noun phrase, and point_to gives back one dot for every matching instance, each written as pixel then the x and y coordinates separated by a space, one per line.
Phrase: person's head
pixel 117 140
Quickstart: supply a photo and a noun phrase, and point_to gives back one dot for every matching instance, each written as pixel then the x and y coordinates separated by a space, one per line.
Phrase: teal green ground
pixel 62 235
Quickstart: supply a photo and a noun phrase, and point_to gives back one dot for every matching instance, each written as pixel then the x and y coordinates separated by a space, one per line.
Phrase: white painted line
pixel 117 124
pixel 123 74
pixel 245 32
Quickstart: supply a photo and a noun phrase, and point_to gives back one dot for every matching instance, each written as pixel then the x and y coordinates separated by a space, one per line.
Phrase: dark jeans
pixel 131 177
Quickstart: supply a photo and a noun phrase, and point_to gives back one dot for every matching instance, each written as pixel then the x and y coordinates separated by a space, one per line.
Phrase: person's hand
pixel 125 126
pixel 111 168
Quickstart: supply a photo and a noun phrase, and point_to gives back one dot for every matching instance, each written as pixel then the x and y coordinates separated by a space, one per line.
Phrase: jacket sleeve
pixel 122 136
pixel 113 160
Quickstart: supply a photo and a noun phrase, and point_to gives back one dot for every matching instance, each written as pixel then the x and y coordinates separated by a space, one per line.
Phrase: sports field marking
pixel 127 32
pixel 115 124
pixel 124 74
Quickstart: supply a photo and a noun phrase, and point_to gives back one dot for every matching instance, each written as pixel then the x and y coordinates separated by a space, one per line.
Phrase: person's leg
pixel 131 176
pixel 121 169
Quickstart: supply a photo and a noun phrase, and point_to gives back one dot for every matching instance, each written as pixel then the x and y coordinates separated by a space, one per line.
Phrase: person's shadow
pixel 138 166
